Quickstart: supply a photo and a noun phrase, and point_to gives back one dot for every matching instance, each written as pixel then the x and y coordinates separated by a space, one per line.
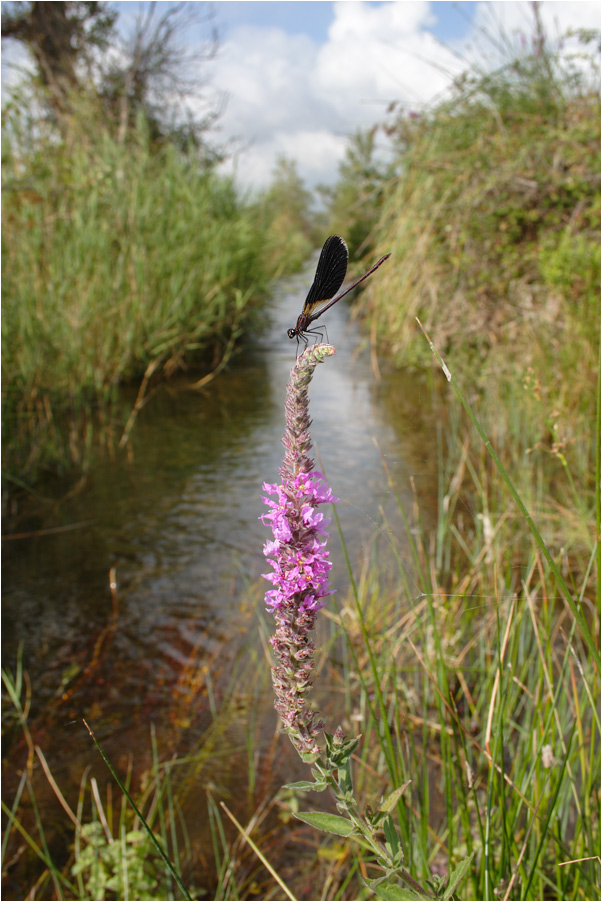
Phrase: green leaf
pixel 346 780
pixel 391 892
pixel 392 836
pixel 305 786
pixel 338 754
pixel 309 757
pixel 330 823
pixel 392 800
pixel 457 875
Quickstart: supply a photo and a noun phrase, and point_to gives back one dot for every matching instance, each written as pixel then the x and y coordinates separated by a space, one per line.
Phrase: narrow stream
pixel 175 520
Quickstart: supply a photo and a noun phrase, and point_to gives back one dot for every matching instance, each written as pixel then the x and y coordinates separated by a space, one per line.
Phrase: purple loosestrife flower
pixel 299 560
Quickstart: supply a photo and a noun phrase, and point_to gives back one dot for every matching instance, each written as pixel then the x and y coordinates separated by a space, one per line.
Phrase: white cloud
pixel 288 95
pixel 377 54
pixel 366 43
pixel 319 152
pixel 264 71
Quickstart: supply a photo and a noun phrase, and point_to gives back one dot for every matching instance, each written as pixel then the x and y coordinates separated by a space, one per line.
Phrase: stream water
pixel 173 525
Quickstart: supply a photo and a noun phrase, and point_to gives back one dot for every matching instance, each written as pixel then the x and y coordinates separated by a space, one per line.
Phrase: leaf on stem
pixel 391 892
pixel 329 823
pixel 457 876
pixel 391 801
pixel 306 786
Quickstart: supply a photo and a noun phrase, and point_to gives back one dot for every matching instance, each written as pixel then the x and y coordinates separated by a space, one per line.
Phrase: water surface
pixel 173 521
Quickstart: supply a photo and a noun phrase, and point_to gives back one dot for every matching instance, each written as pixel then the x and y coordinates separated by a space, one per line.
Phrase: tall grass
pixel 490 695
pixel 494 226
pixel 98 846
pixel 117 260
pixel 458 659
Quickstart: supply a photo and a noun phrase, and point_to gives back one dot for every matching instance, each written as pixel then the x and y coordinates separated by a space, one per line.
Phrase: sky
pixel 299 78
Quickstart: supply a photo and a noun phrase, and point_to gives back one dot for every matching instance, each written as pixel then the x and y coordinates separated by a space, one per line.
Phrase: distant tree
pixel 156 68
pixel 286 206
pixel 287 193
pixel 61 38
pixel 355 201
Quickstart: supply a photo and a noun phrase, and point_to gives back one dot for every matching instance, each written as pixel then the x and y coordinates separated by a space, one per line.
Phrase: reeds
pixel 471 677
pixel 493 225
pixel 118 260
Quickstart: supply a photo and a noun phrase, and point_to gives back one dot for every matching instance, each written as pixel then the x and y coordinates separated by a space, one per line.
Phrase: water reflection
pixel 177 515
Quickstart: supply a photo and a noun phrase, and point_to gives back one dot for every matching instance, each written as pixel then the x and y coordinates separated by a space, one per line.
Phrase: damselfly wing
pixel 330 273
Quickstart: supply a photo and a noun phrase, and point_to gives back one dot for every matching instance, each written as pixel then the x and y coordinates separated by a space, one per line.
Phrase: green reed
pixel 470 675
pixel 494 225
pixel 118 261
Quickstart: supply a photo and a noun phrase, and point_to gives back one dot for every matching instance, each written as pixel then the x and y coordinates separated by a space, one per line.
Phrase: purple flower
pixel 299 560
pixel 298 553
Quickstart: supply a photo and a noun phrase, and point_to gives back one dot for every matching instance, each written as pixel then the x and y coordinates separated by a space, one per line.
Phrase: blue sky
pixel 313 17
